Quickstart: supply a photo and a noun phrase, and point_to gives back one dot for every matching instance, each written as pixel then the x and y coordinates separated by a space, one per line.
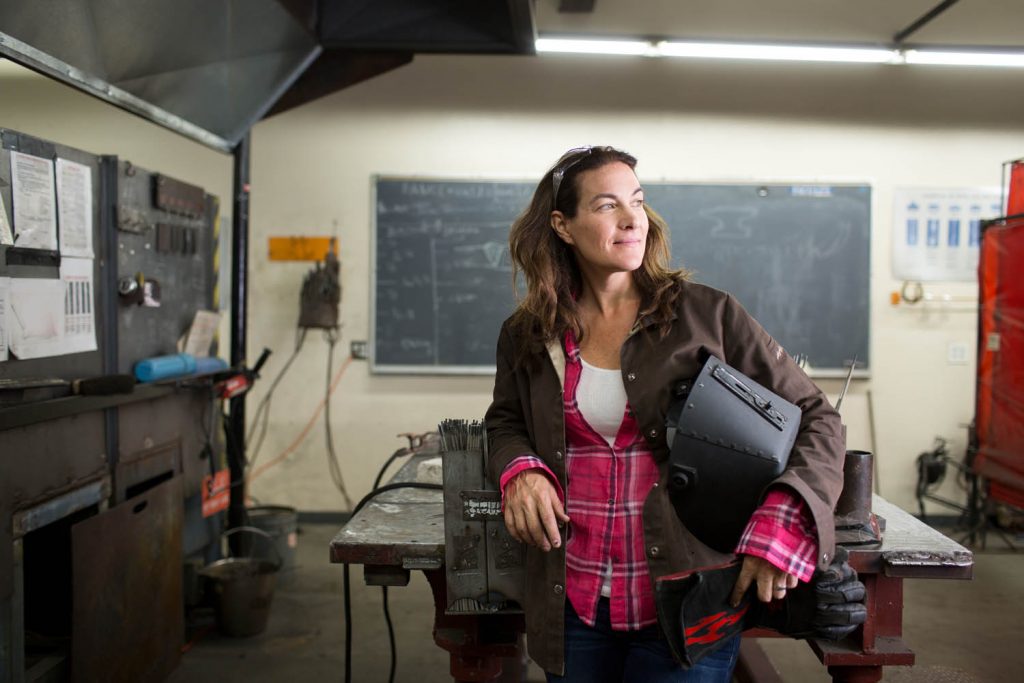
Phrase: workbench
pixel 403 530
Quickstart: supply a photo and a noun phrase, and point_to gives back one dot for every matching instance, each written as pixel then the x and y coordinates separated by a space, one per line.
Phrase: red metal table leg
pixel 880 643
pixel 481 646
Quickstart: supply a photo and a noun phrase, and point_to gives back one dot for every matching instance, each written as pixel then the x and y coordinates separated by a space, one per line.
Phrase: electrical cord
pixel 415 441
pixel 347 597
pixel 394 456
pixel 305 430
pixel 332 456
pixel 207 422
pixel 263 409
pixel 347 590
pixel 261 418
pixel 384 589
pixel 213 411
pixel 391 634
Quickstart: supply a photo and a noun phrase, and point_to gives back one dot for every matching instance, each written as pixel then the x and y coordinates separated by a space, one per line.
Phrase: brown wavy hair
pixel 553 279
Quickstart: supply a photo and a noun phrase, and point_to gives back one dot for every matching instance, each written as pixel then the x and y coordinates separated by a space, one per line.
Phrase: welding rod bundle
pixel 461 435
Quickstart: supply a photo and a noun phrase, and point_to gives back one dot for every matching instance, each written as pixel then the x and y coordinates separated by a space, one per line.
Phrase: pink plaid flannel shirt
pixel 607 487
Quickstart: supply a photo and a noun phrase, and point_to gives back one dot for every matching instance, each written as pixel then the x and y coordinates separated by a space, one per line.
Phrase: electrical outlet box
pixel 957 353
pixel 359 350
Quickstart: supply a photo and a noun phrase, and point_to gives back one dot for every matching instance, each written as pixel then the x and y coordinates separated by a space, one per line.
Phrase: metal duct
pixel 208 69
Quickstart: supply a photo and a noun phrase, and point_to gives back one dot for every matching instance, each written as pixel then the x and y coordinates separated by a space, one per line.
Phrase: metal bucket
pixel 282 524
pixel 243 589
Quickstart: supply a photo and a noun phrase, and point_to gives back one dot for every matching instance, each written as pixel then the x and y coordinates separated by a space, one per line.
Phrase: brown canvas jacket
pixel 526 417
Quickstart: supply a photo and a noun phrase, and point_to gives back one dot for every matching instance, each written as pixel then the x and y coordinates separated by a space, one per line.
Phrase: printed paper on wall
pixel 74 205
pixel 35 206
pixel 936 232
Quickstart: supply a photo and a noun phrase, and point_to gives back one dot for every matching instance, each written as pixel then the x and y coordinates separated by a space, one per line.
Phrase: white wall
pixel 511 117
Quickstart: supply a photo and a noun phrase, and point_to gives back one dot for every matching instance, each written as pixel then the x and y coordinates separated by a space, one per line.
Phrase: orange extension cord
pixel 305 430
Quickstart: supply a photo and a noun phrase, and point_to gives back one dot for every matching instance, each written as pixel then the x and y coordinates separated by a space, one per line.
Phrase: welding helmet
pixel 729 438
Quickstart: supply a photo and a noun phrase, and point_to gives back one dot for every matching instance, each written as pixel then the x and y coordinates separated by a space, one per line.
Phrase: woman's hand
pixel 533 511
pixel 772 582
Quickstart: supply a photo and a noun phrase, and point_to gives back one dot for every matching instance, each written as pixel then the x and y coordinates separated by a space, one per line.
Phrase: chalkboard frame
pixel 386 368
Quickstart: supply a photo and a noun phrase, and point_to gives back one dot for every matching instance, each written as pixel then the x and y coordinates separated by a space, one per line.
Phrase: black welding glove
pixel 830 606
pixel 696 617
pixel 694 610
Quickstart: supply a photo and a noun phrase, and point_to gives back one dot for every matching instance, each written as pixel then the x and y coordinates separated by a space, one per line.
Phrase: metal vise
pixel 484 565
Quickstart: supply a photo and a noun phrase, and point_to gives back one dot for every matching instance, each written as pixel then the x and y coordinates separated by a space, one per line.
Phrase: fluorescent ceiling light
pixel 777 52
pixel 798 53
pixel 964 58
pixel 595 47
pixel 716 50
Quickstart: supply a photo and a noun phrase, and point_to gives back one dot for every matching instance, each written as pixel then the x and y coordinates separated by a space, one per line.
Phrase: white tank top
pixel 601 396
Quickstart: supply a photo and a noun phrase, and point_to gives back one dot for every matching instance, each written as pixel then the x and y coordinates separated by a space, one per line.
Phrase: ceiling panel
pixel 969 22
pixel 977 22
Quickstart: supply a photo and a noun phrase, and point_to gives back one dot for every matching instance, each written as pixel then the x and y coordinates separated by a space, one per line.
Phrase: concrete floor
pixel 962 631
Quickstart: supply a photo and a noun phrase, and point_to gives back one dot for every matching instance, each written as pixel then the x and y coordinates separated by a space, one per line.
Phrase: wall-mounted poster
pixel 936 232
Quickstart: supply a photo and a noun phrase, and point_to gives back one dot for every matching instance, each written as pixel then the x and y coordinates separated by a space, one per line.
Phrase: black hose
pixel 394 456
pixel 391 487
pixel 347 592
pixel 391 634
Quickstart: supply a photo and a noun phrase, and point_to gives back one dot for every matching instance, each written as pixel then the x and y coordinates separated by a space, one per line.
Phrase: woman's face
pixel 609 231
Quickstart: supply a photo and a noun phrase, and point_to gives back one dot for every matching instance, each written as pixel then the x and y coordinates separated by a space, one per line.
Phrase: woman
pixel 576 429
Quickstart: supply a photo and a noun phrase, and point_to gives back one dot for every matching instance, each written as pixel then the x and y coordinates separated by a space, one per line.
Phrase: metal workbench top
pixel 406 528
pixel 912 549
pixel 400 528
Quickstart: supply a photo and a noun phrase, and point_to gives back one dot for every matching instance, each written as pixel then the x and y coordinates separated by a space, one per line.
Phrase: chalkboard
pixel 796 256
pixel 443 277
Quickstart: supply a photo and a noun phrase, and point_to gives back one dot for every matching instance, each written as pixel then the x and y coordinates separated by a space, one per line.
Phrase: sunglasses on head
pixel 568 160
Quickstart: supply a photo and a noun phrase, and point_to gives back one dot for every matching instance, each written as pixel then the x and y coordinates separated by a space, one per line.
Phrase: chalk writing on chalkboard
pixel 443 274
pixel 796 256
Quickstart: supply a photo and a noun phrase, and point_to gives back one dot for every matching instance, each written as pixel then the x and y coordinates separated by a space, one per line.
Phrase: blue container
pixel 212 364
pixel 161 367
pixel 177 365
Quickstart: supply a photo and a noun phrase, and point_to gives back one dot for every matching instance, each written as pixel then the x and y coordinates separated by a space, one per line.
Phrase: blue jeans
pixel 600 655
